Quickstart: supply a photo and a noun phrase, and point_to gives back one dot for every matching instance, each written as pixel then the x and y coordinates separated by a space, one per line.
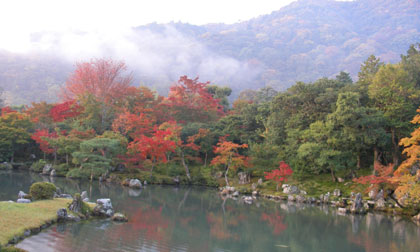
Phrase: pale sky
pixel 21 18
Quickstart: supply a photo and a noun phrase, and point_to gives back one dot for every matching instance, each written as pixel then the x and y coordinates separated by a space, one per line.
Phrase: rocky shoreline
pixel 354 204
pixel 79 209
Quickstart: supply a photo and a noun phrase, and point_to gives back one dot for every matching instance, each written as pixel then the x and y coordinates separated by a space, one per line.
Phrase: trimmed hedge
pixel 42 190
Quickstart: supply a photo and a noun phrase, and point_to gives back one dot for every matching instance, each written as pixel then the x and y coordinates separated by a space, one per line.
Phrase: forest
pixel 365 131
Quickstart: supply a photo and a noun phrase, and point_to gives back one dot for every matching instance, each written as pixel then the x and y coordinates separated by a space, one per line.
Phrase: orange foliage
pixel 101 78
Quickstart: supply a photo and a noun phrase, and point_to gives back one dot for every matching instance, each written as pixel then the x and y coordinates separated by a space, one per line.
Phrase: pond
pixel 164 218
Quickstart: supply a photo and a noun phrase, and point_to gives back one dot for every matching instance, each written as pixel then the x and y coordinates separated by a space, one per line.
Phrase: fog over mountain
pixel 303 41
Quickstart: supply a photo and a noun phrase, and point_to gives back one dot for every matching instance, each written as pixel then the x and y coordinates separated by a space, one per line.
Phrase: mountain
pixel 303 41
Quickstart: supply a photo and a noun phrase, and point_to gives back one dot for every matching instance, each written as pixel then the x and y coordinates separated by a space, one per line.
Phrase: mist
pixel 157 58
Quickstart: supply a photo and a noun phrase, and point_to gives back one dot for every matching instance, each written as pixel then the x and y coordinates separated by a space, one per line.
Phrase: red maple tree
pixel 190 101
pixel 102 78
pixel 280 174
pixel 65 110
pixel 152 148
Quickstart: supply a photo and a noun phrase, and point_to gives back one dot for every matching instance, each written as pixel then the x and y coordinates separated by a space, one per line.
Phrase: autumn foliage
pixel 104 79
pixel 279 175
pixel 189 101
pixel 65 110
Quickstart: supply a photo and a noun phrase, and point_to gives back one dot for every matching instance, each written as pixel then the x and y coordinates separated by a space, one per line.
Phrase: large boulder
pixel 290 189
pixel 53 173
pixel 357 206
pixel 103 208
pixel 62 214
pixel 135 183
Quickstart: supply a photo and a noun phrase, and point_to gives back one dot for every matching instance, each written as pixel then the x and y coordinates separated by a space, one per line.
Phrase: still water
pixel 196 219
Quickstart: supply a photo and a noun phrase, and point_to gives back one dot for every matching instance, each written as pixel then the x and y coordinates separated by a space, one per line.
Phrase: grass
pixel 16 218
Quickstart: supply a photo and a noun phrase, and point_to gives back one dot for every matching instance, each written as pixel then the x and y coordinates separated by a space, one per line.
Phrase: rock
pixel 176 180
pixel 300 199
pixel 255 193
pixel 343 210
pixel 47 169
pixel 6 166
pixel 380 195
pixel 290 198
pixel 235 194
pixel 84 195
pixel 303 192
pixel 61 214
pixel 247 199
pixel 290 189
pixel 357 206
pixel 352 196
pixel 243 178
pixel 27 233
pixel 77 204
pixel 342 203
pixel 311 200
pixel 135 183
pixel 224 192
pixel 126 182
pixel 145 183
pixel 103 208
pixel 260 181
pixel 86 200
pixel 22 195
pixel 284 186
pixel 53 173
pixel 326 197
pixel 340 180
pixel 372 194
pixel 254 186
pixel 73 218
pixel 58 191
pixel 380 204
pixel 337 193
pixel 416 219
pixel 23 201
pixel 230 189
pixel 119 217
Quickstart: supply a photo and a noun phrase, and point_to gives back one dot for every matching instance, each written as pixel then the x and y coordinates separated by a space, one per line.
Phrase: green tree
pixel 15 130
pixel 393 93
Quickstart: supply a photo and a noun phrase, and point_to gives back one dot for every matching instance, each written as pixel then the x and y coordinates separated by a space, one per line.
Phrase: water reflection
pixel 197 219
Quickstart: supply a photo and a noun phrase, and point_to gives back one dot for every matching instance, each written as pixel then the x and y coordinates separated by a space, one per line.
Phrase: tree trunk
pixel 12 159
pixel 55 157
pixel 151 171
pixel 67 158
pixel 187 171
pixel 375 157
pixel 226 175
pixel 396 150
pixel 205 160
pixel 334 179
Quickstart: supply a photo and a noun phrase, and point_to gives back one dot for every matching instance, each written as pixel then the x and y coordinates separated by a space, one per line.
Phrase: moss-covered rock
pixel 42 190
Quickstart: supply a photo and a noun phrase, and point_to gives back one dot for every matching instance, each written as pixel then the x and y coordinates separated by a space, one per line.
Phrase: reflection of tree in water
pixel 276 221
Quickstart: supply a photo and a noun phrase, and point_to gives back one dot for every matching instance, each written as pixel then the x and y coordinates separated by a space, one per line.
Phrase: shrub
pixel 42 190
pixel 38 166
pixel 61 169
pixel 85 173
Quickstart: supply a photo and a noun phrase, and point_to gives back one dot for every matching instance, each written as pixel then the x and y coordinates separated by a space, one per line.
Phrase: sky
pixel 21 19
